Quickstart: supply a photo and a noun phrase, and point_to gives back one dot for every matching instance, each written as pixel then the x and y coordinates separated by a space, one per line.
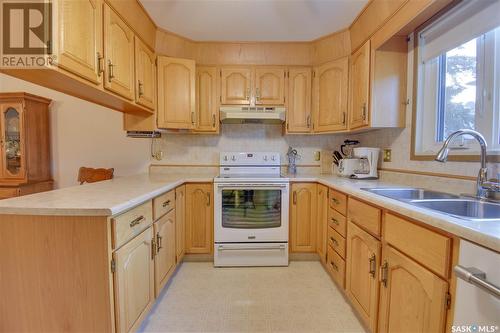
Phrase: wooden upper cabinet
pixel 322 221
pixel 199 218
pixel 236 85
pixel 360 88
pixel 145 75
pixel 80 38
pixel 165 257
pixel 303 218
pixel 118 55
pixel 207 99
pixel 410 296
pixel 134 281
pixel 176 93
pixel 270 85
pixel 363 256
pixel 299 100
pixel 330 101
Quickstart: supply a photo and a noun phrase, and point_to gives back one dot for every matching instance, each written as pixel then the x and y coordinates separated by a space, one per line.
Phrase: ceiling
pixel 253 20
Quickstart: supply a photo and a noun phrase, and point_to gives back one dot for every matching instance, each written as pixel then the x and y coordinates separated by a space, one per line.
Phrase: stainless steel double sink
pixel 454 205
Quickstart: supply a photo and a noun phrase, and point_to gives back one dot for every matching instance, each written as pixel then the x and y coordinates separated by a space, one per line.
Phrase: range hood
pixel 252 114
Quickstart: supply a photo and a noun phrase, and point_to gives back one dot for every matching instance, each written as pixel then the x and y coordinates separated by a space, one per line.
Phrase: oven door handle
pixel 245 248
pixel 251 185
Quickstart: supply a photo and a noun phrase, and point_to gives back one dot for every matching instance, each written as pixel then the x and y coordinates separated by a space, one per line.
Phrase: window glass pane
pixel 251 209
pixel 459 89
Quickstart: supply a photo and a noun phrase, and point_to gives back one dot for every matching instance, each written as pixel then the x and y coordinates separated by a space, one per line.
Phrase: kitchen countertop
pixel 115 196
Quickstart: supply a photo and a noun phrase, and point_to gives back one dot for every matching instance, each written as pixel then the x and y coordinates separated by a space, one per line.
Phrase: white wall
pixel 85 134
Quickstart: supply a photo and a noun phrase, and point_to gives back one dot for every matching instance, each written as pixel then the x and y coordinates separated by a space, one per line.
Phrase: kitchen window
pixel 458 77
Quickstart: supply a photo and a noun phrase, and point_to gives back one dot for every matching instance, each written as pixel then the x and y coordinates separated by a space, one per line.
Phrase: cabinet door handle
pixel 158 242
pixel 335 221
pixel 136 221
pixel 334 241
pixel 166 203
pixel 111 74
pixel 100 67
pixel 140 88
pixel 247 97
pixel 192 118
pixel 334 266
pixel 294 197
pixel 335 201
pixel 208 199
pixel 309 121
pixel 373 263
pixel 383 273
pixel 153 248
pixel 257 94
pixel 363 109
pixel 343 118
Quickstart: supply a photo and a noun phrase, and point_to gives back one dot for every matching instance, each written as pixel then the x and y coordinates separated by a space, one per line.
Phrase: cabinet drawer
pixel 131 223
pixel 336 241
pixel 365 216
pixel 337 221
pixel 336 267
pixel 338 201
pixel 9 192
pixel 163 204
pixel 425 246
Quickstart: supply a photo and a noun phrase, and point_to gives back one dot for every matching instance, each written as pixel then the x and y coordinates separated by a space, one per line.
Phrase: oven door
pixel 251 212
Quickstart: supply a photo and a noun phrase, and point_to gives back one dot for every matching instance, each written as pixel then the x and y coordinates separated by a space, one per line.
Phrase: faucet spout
pixel 442 156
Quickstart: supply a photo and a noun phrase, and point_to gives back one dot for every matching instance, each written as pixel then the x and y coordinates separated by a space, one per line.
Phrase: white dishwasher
pixel 477 306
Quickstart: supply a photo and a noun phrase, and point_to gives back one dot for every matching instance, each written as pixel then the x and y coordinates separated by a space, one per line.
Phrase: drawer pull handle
pixel 383 273
pixel 335 221
pixel 166 203
pixel 477 278
pixel 136 221
pixel 334 241
pixel 334 266
pixel 372 261
pixel 336 201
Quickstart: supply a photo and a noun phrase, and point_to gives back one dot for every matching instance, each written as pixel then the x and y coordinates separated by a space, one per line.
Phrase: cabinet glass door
pixel 12 150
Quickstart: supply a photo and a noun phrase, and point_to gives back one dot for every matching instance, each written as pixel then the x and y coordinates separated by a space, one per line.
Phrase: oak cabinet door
pixel 80 38
pixel 363 255
pixel 322 221
pixel 236 85
pixel 199 218
pixel 164 230
pixel 303 218
pixel 118 55
pixel 330 103
pixel 180 216
pixel 145 75
pixel 360 88
pixel 176 93
pixel 207 100
pixel 270 85
pixel 299 100
pixel 134 280
pixel 411 297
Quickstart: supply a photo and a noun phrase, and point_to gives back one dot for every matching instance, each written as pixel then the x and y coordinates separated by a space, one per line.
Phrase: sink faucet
pixel 483 187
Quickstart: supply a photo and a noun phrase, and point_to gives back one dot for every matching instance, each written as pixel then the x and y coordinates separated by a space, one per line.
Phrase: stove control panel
pixel 250 158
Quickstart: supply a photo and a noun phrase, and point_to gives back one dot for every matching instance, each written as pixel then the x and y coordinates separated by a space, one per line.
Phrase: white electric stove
pixel 251 210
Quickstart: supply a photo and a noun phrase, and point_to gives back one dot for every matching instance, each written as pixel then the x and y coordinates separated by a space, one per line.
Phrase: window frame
pixel 415 72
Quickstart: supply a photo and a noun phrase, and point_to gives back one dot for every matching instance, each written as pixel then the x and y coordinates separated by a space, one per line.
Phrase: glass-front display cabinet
pixel 25 165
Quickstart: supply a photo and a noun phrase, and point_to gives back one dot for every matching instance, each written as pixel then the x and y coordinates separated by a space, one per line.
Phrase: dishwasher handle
pixel 477 278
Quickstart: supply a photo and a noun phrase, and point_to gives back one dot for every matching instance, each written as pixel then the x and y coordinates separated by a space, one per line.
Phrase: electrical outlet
pixel 387 155
pixel 317 155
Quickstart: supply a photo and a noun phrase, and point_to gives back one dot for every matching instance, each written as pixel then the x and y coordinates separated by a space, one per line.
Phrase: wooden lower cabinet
pixel 411 297
pixel 322 221
pixel 199 218
pixel 165 257
pixel 134 281
pixel 363 253
pixel 180 217
pixel 303 217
